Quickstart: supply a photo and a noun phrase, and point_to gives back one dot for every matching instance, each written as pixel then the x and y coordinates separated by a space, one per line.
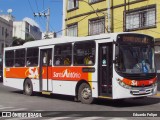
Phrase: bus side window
pixel 9 58
pixel 84 53
pixel 20 58
pixel 63 54
pixel 32 57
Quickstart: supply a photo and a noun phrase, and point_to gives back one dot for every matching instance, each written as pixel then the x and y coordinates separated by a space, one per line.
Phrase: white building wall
pixel 22 28
pixel 19 29
pixel 6 29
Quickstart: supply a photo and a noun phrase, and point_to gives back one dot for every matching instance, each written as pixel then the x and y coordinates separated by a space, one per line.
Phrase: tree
pixel 17 41
pixel 29 38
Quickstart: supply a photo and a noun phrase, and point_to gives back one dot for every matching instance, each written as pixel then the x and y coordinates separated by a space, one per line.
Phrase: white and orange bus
pixel 115 66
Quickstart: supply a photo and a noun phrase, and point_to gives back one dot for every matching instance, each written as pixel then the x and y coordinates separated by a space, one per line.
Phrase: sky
pixel 25 8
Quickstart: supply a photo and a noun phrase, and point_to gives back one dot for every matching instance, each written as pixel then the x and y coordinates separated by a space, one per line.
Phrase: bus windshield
pixel 135 58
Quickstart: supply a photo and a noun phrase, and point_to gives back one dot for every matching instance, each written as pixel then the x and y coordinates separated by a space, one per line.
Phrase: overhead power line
pixel 30 6
pixel 45 13
pixel 37 5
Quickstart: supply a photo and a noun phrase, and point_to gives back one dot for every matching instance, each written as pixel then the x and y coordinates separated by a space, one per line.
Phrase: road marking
pixel 90 118
pixel 158 94
pixel 27 118
pixel 5 108
pixel 59 118
pixel 118 119
pixel 50 113
pixel 37 110
pixel 18 109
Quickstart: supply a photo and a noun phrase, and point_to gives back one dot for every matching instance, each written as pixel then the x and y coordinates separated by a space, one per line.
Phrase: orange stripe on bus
pixel 57 73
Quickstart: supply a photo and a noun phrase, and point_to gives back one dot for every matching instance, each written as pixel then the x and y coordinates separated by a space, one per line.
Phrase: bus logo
pixel 66 74
pixel 32 72
pixel 134 83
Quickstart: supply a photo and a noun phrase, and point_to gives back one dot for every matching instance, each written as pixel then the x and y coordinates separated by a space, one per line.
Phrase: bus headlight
pixel 123 84
pixel 155 84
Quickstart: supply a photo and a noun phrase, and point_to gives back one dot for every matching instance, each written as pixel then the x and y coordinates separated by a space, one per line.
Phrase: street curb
pixel 158 94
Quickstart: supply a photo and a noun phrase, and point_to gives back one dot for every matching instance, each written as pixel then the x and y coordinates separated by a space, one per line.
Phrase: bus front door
pixel 45 68
pixel 105 69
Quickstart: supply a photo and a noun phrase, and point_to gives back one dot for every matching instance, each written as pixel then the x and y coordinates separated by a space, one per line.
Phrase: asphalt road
pixel 14 100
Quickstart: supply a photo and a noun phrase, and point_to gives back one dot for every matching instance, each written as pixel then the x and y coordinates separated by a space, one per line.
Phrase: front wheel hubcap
pixel 28 88
pixel 86 93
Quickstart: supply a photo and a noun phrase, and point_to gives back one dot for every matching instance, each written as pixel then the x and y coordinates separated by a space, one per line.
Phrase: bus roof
pixel 66 39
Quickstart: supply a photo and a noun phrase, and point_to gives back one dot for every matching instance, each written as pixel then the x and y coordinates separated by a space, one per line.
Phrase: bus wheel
pixel 28 87
pixel 85 94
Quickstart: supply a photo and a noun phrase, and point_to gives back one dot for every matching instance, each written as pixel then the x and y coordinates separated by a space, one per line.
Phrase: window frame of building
pixel 95 1
pixel 9 58
pixel 99 19
pixel 72 26
pixel 2 31
pixel 83 53
pixel 74 7
pixel 63 54
pixel 20 57
pixel 32 56
pixel 143 16
pixel 6 33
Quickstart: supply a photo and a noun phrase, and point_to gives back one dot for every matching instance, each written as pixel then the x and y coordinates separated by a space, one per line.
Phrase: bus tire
pixel 28 87
pixel 85 93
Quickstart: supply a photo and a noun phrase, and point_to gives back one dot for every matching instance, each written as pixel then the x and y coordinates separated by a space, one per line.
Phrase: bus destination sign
pixel 135 39
pixel 144 40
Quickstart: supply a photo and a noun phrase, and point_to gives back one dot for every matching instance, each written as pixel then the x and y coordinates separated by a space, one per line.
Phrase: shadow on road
pixel 105 102
pixel 128 102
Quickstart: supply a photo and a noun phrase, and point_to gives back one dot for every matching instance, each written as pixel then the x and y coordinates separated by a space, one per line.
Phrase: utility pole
pixel 48 20
pixel 45 13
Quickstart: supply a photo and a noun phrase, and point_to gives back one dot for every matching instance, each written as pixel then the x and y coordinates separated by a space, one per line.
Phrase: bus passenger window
pixel 20 58
pixel 9 58
pixel 32 56
pixel 84 53
pixel 63 54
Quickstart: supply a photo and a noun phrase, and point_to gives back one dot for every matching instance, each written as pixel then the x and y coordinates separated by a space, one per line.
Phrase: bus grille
pixel 142 91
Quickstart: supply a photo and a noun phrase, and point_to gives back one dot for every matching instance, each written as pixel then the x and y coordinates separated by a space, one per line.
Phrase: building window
pixel 20 58
pixel 63 55
pixel 32 56
pixel 140 19
pixel 96 26
pixel 72 4
pixel 72 30
pixel 84 53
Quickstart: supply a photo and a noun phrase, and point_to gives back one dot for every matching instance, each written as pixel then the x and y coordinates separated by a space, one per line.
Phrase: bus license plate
pixel 142 91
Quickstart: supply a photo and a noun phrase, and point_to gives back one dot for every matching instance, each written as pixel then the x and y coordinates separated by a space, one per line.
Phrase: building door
pixel 105 69
pixel 45 68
